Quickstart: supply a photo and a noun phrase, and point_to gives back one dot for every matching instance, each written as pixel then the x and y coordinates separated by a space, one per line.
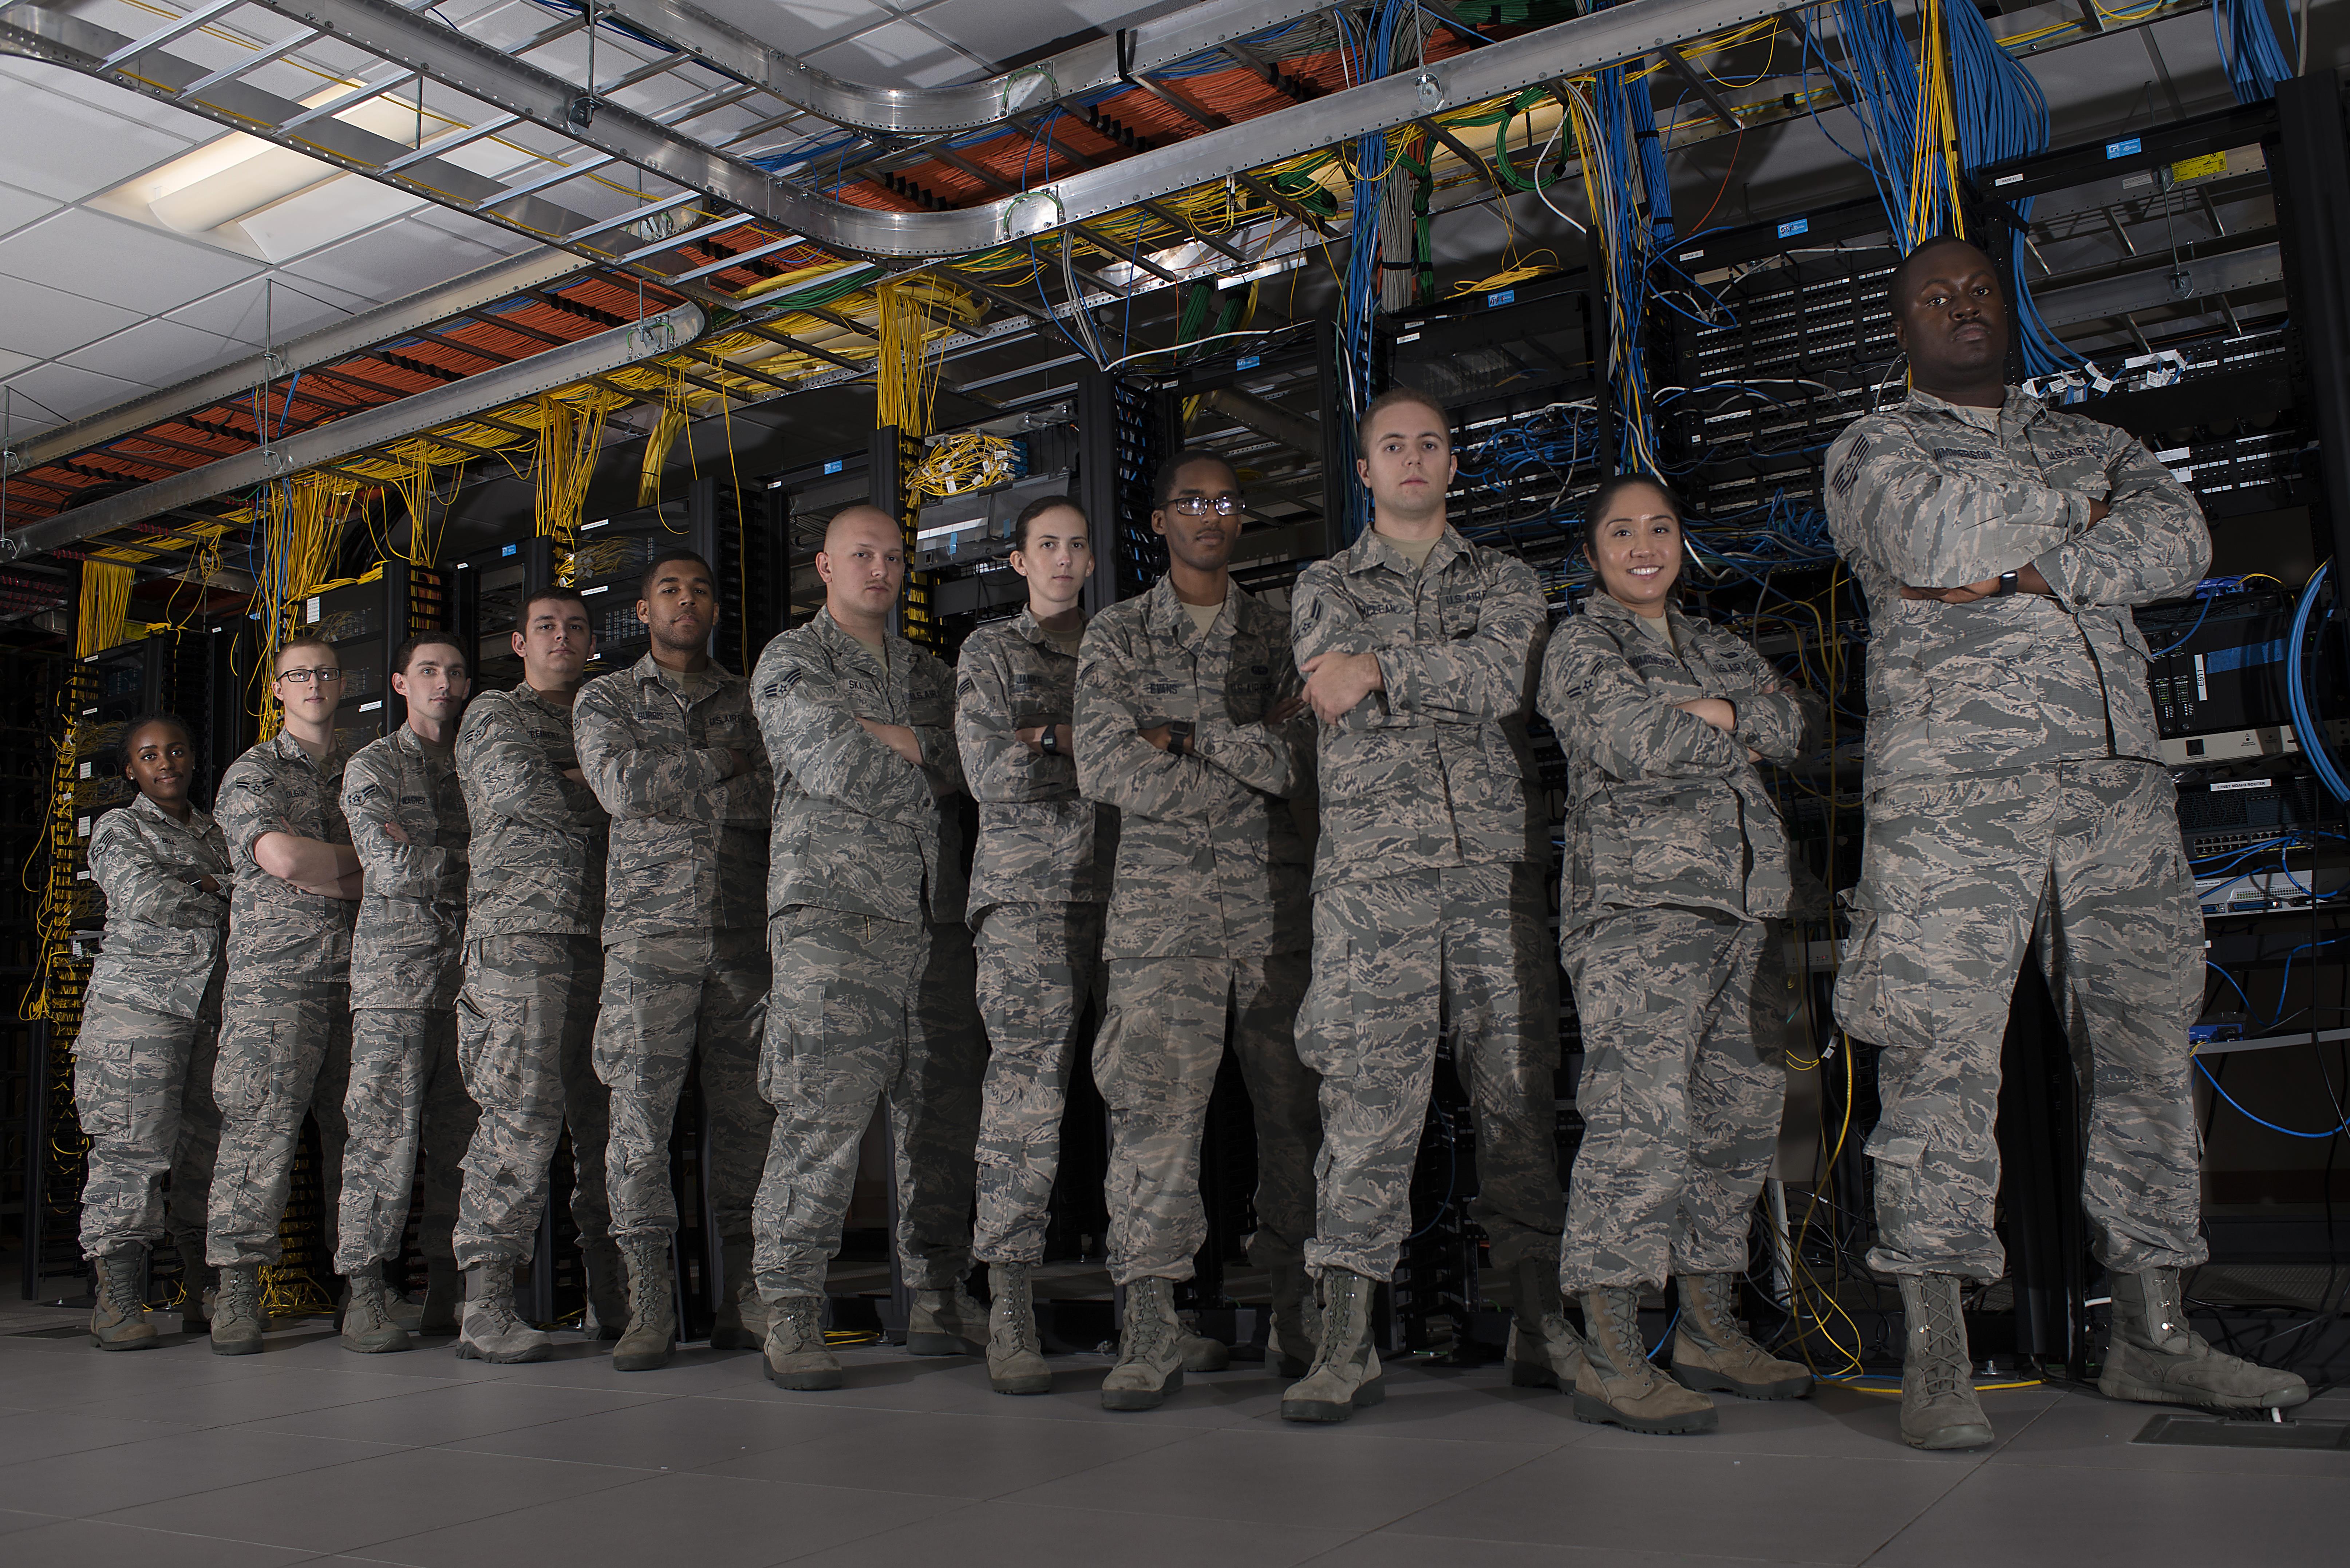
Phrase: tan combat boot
pixel 1150 1350
pixel 368 1326
pixel 1544 1350
pixel 798 1356
pixel 2153 1356
pixel 1346 1375
pixel 1938 1407
pixel 651 1339
pixel 1617 1386
pixel 607 1289
pixel 237 1323
pixel 491 1330
pixel 946 1323
pixel 120 1321
pixel 1713 1353
pixel 1290 1342
pixel 740 1322
pixel 1015 1363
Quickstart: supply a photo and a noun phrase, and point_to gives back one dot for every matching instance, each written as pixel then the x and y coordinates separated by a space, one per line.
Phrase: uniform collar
pixel 694 686
pixel 836 636
pixel 1025 625
pixel 293 751
pixel 1374 549
pixel 199 822
pixel 1170 611
pixel 2019 406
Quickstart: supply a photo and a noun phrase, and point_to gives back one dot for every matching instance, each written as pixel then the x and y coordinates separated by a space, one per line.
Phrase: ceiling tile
pixel 803 25
pixel 896 54
pixel 90 254
pixel 68 393
pixel 46 322
pixel 11 361
pixel 62 145
pixel 393 261
pixel 156 352
pixel 18 208
pixel 246 315
pixel 995 31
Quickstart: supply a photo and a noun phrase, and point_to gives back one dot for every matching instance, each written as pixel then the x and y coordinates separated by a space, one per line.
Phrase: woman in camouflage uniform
pixel 143 1059
pixel 1676 863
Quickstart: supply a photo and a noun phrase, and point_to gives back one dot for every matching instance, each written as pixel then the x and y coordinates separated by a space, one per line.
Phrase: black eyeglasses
pixel 325 675
pixel 1200 505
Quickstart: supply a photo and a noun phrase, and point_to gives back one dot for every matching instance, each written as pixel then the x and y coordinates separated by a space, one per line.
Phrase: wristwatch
pixel 1049 742
pixel 2006 585
pixel 1179 738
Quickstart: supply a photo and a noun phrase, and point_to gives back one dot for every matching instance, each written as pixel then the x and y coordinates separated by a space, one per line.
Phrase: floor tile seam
pixel 1721 1557
pixel 966 1505
pixel 1957 1480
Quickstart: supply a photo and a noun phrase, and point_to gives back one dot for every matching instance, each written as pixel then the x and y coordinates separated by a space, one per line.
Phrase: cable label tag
pixel 835 466
pixel 1793 226
pixel 2243 784
pixel 2127 146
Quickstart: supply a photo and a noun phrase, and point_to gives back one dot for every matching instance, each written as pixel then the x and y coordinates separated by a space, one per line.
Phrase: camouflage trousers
pixel 1397 963
pixel 849 1025
pixel 405 1089
pixel 1958 881
pixel 1684 1081
pixel 671 1003
pixel 1039 964
pixel 143 1090
pixel 285 1049
pixel 525 1019
pixel 1161 1040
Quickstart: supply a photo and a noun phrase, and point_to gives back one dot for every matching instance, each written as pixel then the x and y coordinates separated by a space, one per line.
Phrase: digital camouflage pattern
pixel 1433 770
pixel 1663 809
pixel 1040 841
pixel 285 1008
pixel 1038 966
pixel 2015 786
pixel 869 956
pixel 1209 919
pixel 533 971
pixel 1211 860
pixel 844 1030
pixel 407 960
pixel 1039 877
pixel 525 1025
pixel 1429 911
pixel 539 838
pixel 1958 877
pixel 689 847
pixel 1934 496
pixel 1398 962
pixel 670 1003
pixel 1155 1062
pixel 144 1056
pixel 857 825
pixel 1684 1078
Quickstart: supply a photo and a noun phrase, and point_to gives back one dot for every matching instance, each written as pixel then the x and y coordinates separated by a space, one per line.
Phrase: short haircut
pixel 1604 497
pixel 670 558
pixel 405 654
pixel 148 720
pixel 1897 288
pixel 1037 508
pixel 306 640
pixel 1173 469
pixel 1396 397
pixel 557 593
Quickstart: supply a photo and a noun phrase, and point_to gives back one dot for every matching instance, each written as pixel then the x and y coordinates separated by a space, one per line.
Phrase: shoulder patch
pixel 1849 473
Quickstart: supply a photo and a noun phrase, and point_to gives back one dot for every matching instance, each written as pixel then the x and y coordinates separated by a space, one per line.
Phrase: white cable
pixel 1195 343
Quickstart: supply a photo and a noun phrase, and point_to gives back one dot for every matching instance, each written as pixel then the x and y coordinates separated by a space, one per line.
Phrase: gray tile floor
pixel 308 1454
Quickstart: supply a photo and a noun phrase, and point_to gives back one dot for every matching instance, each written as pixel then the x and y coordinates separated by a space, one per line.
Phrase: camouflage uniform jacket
pixel 1928 495
pixel 688 844
pixel 1432 772
pixel 538 839
pixel 274 925
pixel 164 933
pixel 1210 863
pixel 1040 842
pixel 857 825
pixel 407 948
pixel 1663 809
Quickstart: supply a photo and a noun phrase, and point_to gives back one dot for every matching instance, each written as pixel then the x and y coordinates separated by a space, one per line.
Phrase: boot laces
pixel 1013 1292
pixel 1944 1371
pixel 118 1284
pixel 1153 1330
pixel 798 1315
pixel 1615 1332
pixel 240 1293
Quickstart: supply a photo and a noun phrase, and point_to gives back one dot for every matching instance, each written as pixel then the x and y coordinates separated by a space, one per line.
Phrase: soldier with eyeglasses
pixel 285 1031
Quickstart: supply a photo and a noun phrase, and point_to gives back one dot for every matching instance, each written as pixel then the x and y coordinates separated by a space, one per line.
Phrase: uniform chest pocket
pixel 1458 615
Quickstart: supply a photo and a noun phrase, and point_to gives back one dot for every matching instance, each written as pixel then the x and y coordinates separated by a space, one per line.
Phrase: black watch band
pixel 1179 738
pixel 2006 585
pixel 1049 741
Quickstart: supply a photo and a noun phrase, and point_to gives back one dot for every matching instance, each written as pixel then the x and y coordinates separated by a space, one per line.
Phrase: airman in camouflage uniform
pixel 1190 722
pixel 1037 885
pixel 2016 797
pixel 1677 866
pixel 534 969
pixel 864 752
pixel 674 754
pixel 286 1009
pixel 143 1057
pixel 407 813
pixel 1429 911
